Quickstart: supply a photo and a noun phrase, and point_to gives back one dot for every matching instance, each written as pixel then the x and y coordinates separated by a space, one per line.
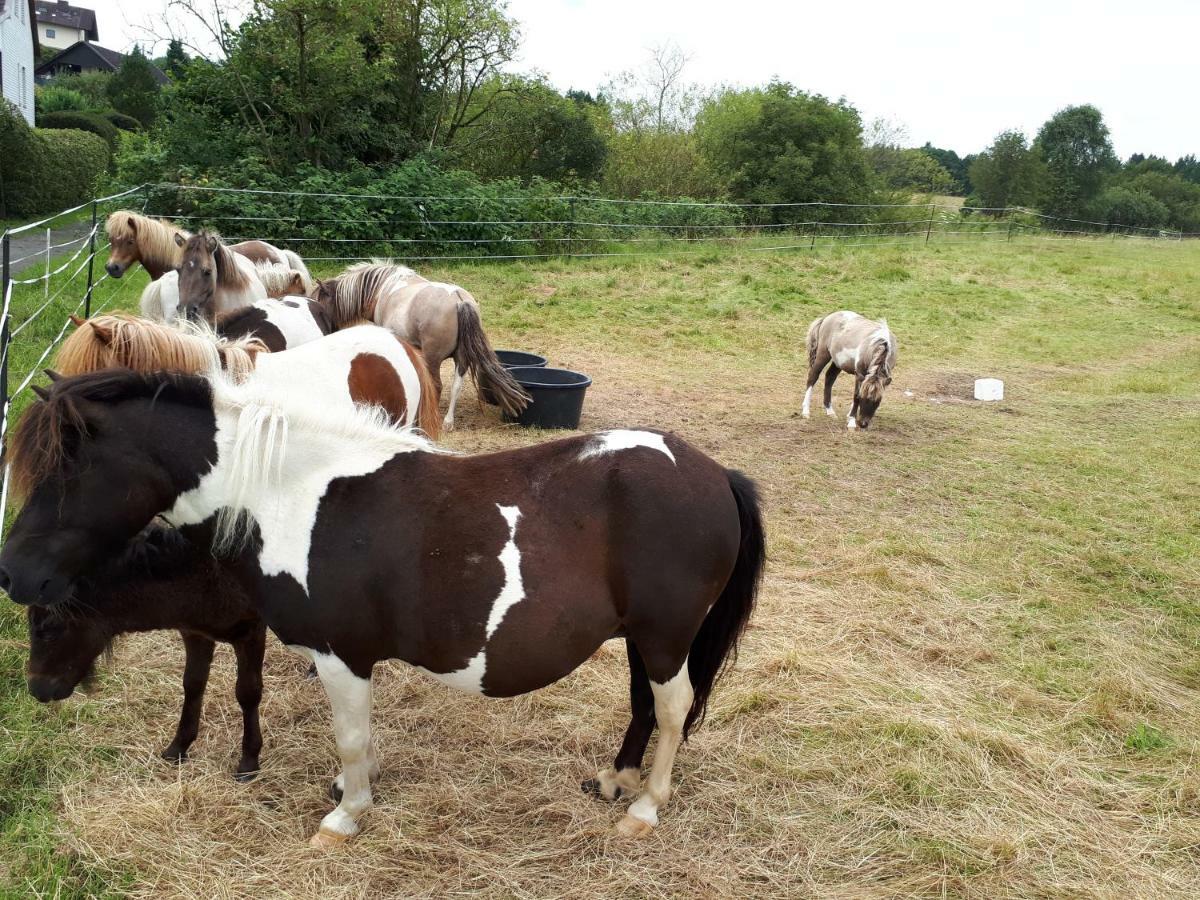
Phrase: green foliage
pixel 663 164
pixel 123 122
pixel 46 170
pixel 84 121
pixel 1146 739
pixel 781 145
pixel 1180 197
pixel 1076 148
pixel 1188 168
pixel 952 163
pixel 93 86
pixel 1008 173
pixel 526 129
pixel 910 170
pixel 1124 206
pixel 133 89
pixel 176 61
pixel 55 98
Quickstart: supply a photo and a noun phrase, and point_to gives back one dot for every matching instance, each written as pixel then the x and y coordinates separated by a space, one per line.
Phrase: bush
pixel 46 170
pixel 1124 206
pixel 122 121
pixel 54 98
pixel 82 121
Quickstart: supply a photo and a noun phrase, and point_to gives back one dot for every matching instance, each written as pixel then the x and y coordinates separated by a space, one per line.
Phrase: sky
pixel 953 73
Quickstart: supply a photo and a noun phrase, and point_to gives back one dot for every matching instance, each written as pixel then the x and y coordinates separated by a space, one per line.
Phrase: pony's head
pixel 879 376
pixel 96 458
pixel 281 280
pixel 122 228
pixel 198 274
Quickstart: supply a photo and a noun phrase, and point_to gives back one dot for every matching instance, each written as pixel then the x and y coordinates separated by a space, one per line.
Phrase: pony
pixel 846 342
pixel 442 319
pixel 364 365
pixel 280 323
pixel 152 242
pixel 341 531
pixel 160 299
pixel 282 280
pixel 134 238
pixel 160 581
pixel 213 279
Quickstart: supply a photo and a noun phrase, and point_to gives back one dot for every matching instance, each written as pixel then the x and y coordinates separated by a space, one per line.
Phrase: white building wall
pixel 16 57
pixel 61 39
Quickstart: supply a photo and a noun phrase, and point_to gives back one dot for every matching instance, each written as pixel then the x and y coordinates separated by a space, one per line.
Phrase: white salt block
pixel 989 389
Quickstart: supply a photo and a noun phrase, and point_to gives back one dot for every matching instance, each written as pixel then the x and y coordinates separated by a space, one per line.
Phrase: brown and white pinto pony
pixel 134 238
pixel 160 581
pixel 364 365
pixel 160 299
pixel 281 323
pixel 340 531
pixel 441 319
pixel 846 342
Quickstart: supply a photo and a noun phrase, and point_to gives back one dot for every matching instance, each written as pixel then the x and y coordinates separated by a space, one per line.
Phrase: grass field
pixel 974 670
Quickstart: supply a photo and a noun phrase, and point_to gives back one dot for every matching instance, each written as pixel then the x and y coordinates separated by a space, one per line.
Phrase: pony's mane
pixel 354 293
pixel 42 440
pixel 879 367
pixel 266 422
pixel 155 238
pixel 277 278
pixel 124 340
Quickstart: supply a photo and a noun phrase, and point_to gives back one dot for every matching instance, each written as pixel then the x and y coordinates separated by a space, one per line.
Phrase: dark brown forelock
pixel 40 442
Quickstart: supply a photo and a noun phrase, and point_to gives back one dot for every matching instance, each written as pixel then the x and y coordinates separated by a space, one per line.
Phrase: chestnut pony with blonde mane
pixel 379 369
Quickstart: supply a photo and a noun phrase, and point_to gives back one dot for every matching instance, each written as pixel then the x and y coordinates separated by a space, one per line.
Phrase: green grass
pixel 980 630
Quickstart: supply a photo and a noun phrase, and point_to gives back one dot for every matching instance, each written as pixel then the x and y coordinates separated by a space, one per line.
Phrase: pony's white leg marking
pixel 455 389
pixel 350 699
pixel 850 423
pixel 807 401
pixel 671 704
pixel 829 410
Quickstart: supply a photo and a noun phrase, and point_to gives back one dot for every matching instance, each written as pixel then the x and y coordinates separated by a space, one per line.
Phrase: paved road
pixel 33 243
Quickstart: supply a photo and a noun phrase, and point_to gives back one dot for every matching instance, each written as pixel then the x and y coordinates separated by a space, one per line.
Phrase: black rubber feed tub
pixel 556 397
pixel 510 359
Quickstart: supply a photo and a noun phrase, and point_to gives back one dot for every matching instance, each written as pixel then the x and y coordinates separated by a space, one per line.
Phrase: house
pixel 83 57
pixel 18 49
pixel 61 25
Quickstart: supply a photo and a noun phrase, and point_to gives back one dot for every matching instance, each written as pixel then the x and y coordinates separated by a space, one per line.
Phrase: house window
pixel 50 33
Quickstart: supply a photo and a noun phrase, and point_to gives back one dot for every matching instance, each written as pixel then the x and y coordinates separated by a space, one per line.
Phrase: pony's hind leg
pixel 830 377
pixel 819 363
pixel 672 701
pixel 455 390
pixel 624 777
pixel 199 652
pixel 249 651
pixel 350 698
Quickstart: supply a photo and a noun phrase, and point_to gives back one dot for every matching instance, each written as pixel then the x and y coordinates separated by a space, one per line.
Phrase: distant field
pixel 975 669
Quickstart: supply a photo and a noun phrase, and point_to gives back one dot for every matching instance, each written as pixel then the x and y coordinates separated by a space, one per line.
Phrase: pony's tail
pixel 811 340
pixel 429 419
pixel 715 646
pixel 475 355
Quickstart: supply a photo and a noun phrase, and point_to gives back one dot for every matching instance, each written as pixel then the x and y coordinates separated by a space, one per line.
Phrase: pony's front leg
pixel 350 699
pixel 455 389
pixel 850 423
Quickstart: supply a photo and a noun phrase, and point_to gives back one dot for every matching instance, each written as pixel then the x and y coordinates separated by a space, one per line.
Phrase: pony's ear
pixel 42 393
pixel 132 225
pixel 180 240
pixel 210 241
pixel 52 375
pixel 76 321
pixel 297 282
pixel 104 333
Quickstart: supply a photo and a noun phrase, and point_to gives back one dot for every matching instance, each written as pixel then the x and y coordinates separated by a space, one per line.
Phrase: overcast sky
pixel 954 73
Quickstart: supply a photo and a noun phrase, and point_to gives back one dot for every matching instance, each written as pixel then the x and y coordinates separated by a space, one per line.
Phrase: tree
pixel 133 89
pixel 1008 173
pixel 1188 168
pixel 952 163
pixel 654 97
pixel 1123 206
pixel 781 145
pixel 176 60
pixel 1075 146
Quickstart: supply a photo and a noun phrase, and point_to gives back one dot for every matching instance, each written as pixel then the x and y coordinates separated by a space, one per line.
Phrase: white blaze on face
pixel 612 441
pixel 470 677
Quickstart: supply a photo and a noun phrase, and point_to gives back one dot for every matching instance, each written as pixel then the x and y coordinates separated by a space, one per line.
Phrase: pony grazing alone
pixel 496 574
pixel 160 581
pixel 441 319
pixel 365 365
pixel 846 342
pixel 136 238
pixel 213 279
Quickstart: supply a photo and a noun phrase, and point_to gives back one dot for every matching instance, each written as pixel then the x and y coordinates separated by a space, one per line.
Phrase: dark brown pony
pixel 358 543
pixel 161 581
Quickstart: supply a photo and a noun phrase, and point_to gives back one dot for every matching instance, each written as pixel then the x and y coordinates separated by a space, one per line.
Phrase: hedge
pixel 96 123
pixel 46 170
pixel 122 121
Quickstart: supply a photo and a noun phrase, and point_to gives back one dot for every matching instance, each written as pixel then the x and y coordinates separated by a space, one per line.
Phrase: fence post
pixel 929 226
pixel 5 246
pixel 571 228
pixel 1011 221
pixel 87 300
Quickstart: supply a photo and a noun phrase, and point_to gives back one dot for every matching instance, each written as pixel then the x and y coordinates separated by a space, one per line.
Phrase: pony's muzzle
pixel 34 589
pixel 48 690
pixel 114 270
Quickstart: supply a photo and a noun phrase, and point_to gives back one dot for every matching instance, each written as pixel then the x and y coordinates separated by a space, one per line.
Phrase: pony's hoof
pixel 804 414
pixel 629 827
pixel 245 777
pixel 327 840
pixel 448 425
pixel 174 755
pixel 591 786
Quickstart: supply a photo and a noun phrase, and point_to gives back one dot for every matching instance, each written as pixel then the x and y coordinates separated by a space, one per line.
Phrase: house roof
pixel 59 12
pixel 83 54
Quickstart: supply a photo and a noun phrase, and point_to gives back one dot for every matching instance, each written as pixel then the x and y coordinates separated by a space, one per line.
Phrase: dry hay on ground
pixel 869 741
